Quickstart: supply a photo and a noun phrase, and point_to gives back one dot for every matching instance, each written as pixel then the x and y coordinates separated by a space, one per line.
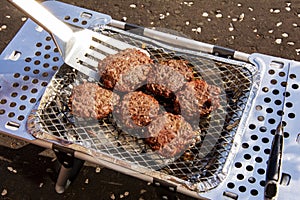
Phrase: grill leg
pixel 63 179
pixel 70 167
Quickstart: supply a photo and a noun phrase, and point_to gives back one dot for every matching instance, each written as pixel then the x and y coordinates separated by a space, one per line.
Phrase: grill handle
pixel 181 41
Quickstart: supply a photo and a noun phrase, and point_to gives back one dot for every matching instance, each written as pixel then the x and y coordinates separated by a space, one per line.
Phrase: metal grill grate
pixel 203 163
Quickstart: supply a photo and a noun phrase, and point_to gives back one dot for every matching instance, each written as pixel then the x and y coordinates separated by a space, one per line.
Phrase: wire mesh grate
pixel 202 162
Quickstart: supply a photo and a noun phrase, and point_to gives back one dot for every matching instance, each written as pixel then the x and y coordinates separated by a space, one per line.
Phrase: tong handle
pixel 44 18
pixel 273 173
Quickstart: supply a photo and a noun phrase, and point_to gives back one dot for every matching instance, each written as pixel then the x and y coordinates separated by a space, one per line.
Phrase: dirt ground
pixel 268 27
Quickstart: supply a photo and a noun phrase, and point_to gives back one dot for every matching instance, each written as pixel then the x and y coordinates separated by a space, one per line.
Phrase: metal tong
pixel 274 166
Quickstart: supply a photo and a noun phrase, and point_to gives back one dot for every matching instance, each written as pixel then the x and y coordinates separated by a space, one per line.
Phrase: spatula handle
pixel 44 18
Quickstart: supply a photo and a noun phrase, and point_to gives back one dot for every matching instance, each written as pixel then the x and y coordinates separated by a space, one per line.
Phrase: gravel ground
pixel 269 27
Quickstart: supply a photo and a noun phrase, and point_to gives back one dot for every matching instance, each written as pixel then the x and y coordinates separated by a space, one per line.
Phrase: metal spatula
pixel 80 48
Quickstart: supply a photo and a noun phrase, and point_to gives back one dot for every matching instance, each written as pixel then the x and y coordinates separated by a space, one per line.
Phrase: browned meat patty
pixel 136 110
pixel 168 76
pixel 197 99
pixel 169 135
pixel 124 71
pixel 182 66
pixel 89 100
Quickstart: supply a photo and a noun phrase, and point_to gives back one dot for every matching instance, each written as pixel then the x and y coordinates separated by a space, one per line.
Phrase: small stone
pixel 187 23
pixel 198 30
pixel 234 19
pixel 250 9
pixel 298 52
pixel 271 31
pixel 161 16
pixel 253 18
pixel 124 19
pixel 278 41
pixel 208 19
pixel 10 169
pixel 278 24
pixel 239 5
pixel 98 169
pixel 143 191
pixel 4 192
pixel 289 4
pixel 298 14
pixel 241 17
pixel 276 11
pixel 291 43
pixel 167 14
pixel 288 9
pixel 86 181
pixel 112 196
pixel 41 185
pixel 295 25
pixel 7 16
pixel 132 6
pixel 126 194
pixel 24 19
pixel 188 3
pixel 255 30
pixel 121 196
pixel 285 35
pixel 219 15
pixel 231 28
pixel 205 14
pixel 3 27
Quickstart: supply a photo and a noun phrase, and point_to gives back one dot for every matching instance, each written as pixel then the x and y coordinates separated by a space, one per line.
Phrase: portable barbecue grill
pixel 230 157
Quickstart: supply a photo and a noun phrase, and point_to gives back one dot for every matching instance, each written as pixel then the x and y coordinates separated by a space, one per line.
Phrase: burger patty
pixel 136 110
pixel 168 76
pixel 169 135
pixel 182 66
pixel 89 100
pixel 197 99
pixel 127 70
